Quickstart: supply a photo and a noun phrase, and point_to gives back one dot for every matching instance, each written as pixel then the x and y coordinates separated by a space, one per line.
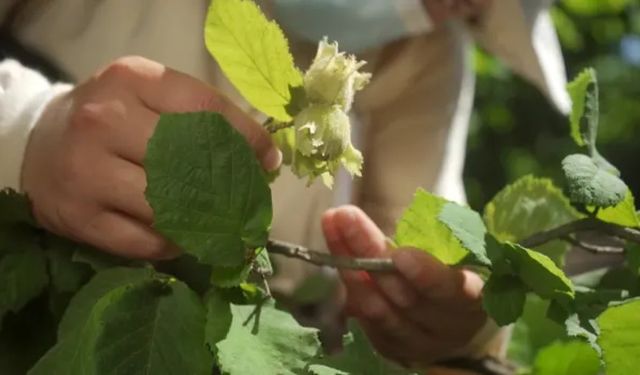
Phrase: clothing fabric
pixel 23 95
pixel 358 25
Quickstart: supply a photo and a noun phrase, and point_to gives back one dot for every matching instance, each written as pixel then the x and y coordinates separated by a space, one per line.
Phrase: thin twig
pixel 563 231
pixel 322 259
pixel 273 126
pixel 593 248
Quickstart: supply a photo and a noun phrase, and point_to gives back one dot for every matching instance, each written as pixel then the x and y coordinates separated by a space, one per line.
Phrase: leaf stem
pixel 323 259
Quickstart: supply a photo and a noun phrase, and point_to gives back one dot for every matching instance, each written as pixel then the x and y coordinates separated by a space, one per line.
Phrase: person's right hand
pixel 83 169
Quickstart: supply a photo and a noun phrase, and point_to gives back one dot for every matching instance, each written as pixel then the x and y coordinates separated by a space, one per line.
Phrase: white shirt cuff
pixel 24 93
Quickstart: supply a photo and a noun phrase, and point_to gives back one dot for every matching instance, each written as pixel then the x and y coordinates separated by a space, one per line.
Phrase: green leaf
pixel 316 289
pixel 258 337
pixel 227 277
pixel 18 229
pixel 96 259
pixel 596 8
pixel 503 298
pixel 585 115
pixel 358 357
pixel 580 326
pixel 537 271
pixel 467 226
pixel 584 96
pixel 527 206
pixel 424 226
pixel 23 276
pixel 130 321
pixel 632 254
pixel 154 328
pixel 208 192
pixel 567 358
pixel 533 331
pixel 218 319
pixel 623 213
pixel 591 185
pixel 580 317
pixel 66 275
pixel 619 332
pixel 25 337
pixel 254 54
pixel 262 263
pixel 15 208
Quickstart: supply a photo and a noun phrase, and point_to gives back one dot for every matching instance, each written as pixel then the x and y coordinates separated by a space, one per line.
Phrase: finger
pixel 120 235
pixel 415 351
pixel 369 306
pixel 337 246
pixel 129 141
pixel 165 90
pixel 125 189
pixel 428 276
pixel 349 229
pixel 362 238
pixel 448 295
pixel 350 232
pixel 360 234
pixel 331 233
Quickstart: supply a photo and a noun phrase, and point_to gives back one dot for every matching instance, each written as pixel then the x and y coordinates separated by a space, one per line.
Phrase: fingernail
pixel 273 159
pixel 329 212
pixel 406 264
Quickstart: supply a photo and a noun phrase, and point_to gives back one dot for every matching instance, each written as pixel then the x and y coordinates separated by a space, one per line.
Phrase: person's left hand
pixel 423 312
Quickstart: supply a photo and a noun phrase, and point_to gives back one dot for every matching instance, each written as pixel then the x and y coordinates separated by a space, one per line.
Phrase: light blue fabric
pixel 356 25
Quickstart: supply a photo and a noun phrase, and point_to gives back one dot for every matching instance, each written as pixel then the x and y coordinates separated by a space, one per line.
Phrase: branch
pixel 323 259
pixel 565 230
pixel 593 248
pixel 562 232
pixel 273 126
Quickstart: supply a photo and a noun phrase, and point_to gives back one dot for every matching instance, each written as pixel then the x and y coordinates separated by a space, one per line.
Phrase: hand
pixel 83 165
pixel 442 10
pixel 423 312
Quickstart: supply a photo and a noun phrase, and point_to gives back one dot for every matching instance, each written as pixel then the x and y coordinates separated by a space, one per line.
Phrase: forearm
pixel 23 95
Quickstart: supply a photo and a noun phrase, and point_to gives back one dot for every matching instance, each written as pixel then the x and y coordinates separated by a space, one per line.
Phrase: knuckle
pixel 84 117
pixel 213 102
pixel 375 311
pixel 122 68
pixel 406 303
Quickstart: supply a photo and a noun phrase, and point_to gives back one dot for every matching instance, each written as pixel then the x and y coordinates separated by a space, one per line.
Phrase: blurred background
pixel 515 131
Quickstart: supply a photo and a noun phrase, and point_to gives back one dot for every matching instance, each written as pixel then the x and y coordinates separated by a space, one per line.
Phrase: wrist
pixel 47 111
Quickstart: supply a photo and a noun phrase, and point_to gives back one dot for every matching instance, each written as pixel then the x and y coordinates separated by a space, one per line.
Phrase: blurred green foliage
pixel 516 131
